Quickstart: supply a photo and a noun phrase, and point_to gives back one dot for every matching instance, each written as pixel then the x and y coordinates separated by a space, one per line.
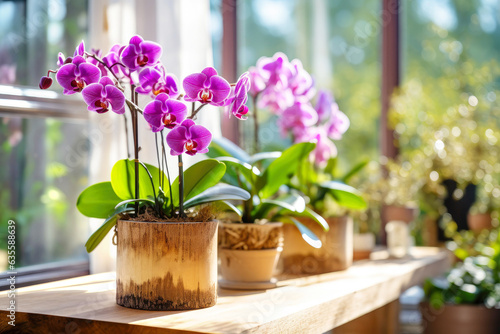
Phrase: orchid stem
pixel 194 112
pixel 160 179
pixel 168 173
pixel 126 135
pixel 255 124
pixel 136 146
pixel 182 214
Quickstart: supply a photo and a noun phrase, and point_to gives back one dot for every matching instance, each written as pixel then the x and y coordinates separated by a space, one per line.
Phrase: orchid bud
pixel 45 82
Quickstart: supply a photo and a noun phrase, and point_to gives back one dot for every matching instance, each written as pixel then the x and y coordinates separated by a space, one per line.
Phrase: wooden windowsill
pixel 312 304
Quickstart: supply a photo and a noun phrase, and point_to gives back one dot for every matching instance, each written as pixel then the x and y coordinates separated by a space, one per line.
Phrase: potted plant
pixel 467 300
pixel 250 245
pixel 458 145
pixel 484 211
pixel 166 235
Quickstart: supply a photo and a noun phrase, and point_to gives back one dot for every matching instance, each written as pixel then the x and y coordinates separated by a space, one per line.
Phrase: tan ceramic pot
pixel 298 257
pixel 166 266
pixel 460 319
pixel 249 252
pixel 479 221
pixel 389 213
pixel 249 265
pixel 363 245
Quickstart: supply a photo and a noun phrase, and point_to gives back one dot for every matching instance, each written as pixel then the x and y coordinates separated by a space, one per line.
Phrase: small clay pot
pixel 460 319
pixel 363 245
pixel 479 221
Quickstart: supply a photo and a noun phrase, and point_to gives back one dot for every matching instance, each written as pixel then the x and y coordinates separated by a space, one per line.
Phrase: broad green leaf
pixel 224 147
pixel 98 200
pixel 263 156
pixel 248 171
pixel 291 204
pixel 198 178
pixel 344 194
pixel 227 206
pixel 282 169
pixel 307 234
pixel 123 180
pixel 314 216
pixel 355 170
pixel 222 192
pixel 133 201
pixel 96 237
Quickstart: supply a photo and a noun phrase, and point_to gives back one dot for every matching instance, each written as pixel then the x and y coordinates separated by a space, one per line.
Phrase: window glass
pixel 338 43
pixel 44 160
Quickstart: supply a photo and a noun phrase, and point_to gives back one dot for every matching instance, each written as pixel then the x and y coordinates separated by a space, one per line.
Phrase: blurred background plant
pixel 475 279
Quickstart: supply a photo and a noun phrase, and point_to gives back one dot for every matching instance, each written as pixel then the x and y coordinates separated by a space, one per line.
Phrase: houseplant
pixel 166 256
pixel 259 233
pixel 285 90
pixel 468 299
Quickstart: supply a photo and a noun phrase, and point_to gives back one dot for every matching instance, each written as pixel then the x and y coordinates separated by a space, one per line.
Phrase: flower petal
pixel 153 114
pixel 209 72
pixel 152 50
pixel 176 140
pixel 220 88
pixel 115 98
pixel 193 84
pixel 66 75
pixel 89 73
pixel 201 136
pixel 92 93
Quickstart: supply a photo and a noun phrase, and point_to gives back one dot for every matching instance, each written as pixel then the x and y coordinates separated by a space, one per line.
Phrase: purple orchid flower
pixel 337 125
pixel 154 80
pixel 103 96
pixel 112 58
pixel 206 87
pixel 189 138
pixel 93 61
pixel 297 118
pixel 276 98
pixel 164 112
pixel 74 76
pixel 257 81
pixel 45 82
pixel 140 53
pixel 80 50
pixel 325 149
pixel 235 104
pixel 301 82
pixel 278 69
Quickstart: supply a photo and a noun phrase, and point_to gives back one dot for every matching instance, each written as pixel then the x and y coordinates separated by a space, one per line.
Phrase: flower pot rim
pixel 477 306
pixel 277 224
pixel 267 250
pixel 166 222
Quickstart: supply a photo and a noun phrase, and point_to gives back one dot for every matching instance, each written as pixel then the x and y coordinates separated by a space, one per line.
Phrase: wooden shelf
pixel 313 304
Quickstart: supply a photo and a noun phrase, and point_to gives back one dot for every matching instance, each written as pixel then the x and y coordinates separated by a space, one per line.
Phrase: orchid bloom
pixel 297 118
pixel 235 104
pixel 325 148
pixel 206 87
pixel 103 96
pixel 112 58
pixel 74 76
pixel 189 138
pixel 328 110
pixel 154 80
pixel 164 112
pixel 140 53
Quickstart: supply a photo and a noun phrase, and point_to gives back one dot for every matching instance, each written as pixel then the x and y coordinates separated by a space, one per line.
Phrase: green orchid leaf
pixel 135 200
pixel 96 237
pixel 290 204
pixel 123 180
pixel 281 170
pixel 355 170
pixel 198 178
pixel 314 216
pixel 222 206
pixel 307 234
pixel 222 192
pixel 98 200
pixel 224 147
pixel 246 170
pixel 264 156
pixel 344 195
